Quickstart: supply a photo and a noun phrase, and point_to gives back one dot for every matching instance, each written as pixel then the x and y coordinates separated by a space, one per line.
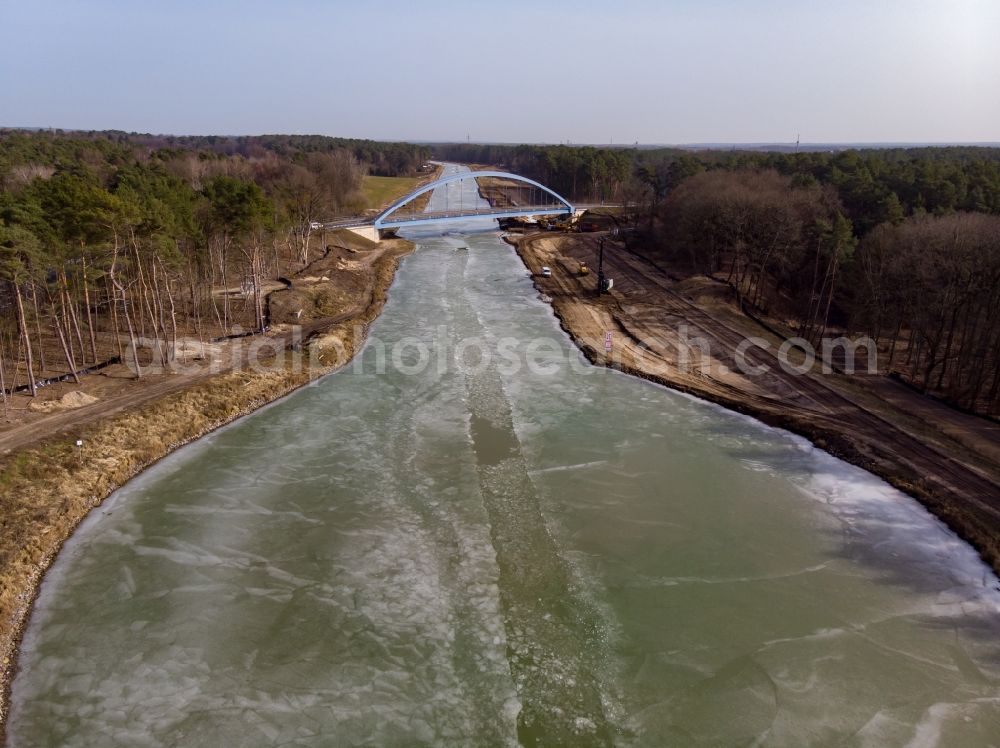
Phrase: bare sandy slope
pixel 948 460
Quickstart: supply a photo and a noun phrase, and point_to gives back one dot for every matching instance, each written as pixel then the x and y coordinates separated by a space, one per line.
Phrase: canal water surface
pixel 517 549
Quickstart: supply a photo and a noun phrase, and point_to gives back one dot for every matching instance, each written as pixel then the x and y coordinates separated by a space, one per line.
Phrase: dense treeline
pixel 110 239
pixel 874 185
pixel 902 245
pixel 767 235
pixel 379 158
pixel 924 287
pixel 938 279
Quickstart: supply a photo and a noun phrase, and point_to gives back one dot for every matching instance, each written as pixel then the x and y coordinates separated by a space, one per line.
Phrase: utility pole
pixel 600 265
pixel 603 284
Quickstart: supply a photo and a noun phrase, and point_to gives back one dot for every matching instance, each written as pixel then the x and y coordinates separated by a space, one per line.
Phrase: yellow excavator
pixel 584 270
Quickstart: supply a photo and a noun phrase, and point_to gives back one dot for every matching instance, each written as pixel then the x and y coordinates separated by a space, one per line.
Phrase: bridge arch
pixel 385 220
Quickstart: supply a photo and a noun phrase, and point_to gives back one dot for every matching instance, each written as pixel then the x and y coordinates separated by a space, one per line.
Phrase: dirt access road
pixel 946 459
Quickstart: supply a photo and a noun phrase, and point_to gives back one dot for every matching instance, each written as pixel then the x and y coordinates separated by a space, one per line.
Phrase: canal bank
pixel 48 489
pixel 511 548
pixel 688 336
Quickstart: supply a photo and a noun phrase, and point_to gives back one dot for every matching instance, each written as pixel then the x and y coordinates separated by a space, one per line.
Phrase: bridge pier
pixel 368 232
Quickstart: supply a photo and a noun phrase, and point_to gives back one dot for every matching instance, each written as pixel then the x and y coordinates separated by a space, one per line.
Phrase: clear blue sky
pixel 673 71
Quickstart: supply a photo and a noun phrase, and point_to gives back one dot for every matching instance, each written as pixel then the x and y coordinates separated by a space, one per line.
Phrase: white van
pixel 546 271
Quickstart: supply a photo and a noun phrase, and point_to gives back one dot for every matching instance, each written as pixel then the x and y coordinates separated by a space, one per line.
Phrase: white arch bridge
pixel 511 195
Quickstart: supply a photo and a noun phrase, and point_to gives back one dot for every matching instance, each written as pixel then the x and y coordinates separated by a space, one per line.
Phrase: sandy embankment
pixel 48 485
pixel 947 460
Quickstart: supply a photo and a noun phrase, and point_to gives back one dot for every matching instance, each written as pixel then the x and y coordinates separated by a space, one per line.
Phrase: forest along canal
pixel 402 555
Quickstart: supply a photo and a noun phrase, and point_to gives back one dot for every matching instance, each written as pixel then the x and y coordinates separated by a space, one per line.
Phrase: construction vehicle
pixel 584 270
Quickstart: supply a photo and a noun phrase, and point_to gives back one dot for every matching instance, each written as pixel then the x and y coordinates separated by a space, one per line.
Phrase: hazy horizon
pixel 803 145
pixel 671 73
